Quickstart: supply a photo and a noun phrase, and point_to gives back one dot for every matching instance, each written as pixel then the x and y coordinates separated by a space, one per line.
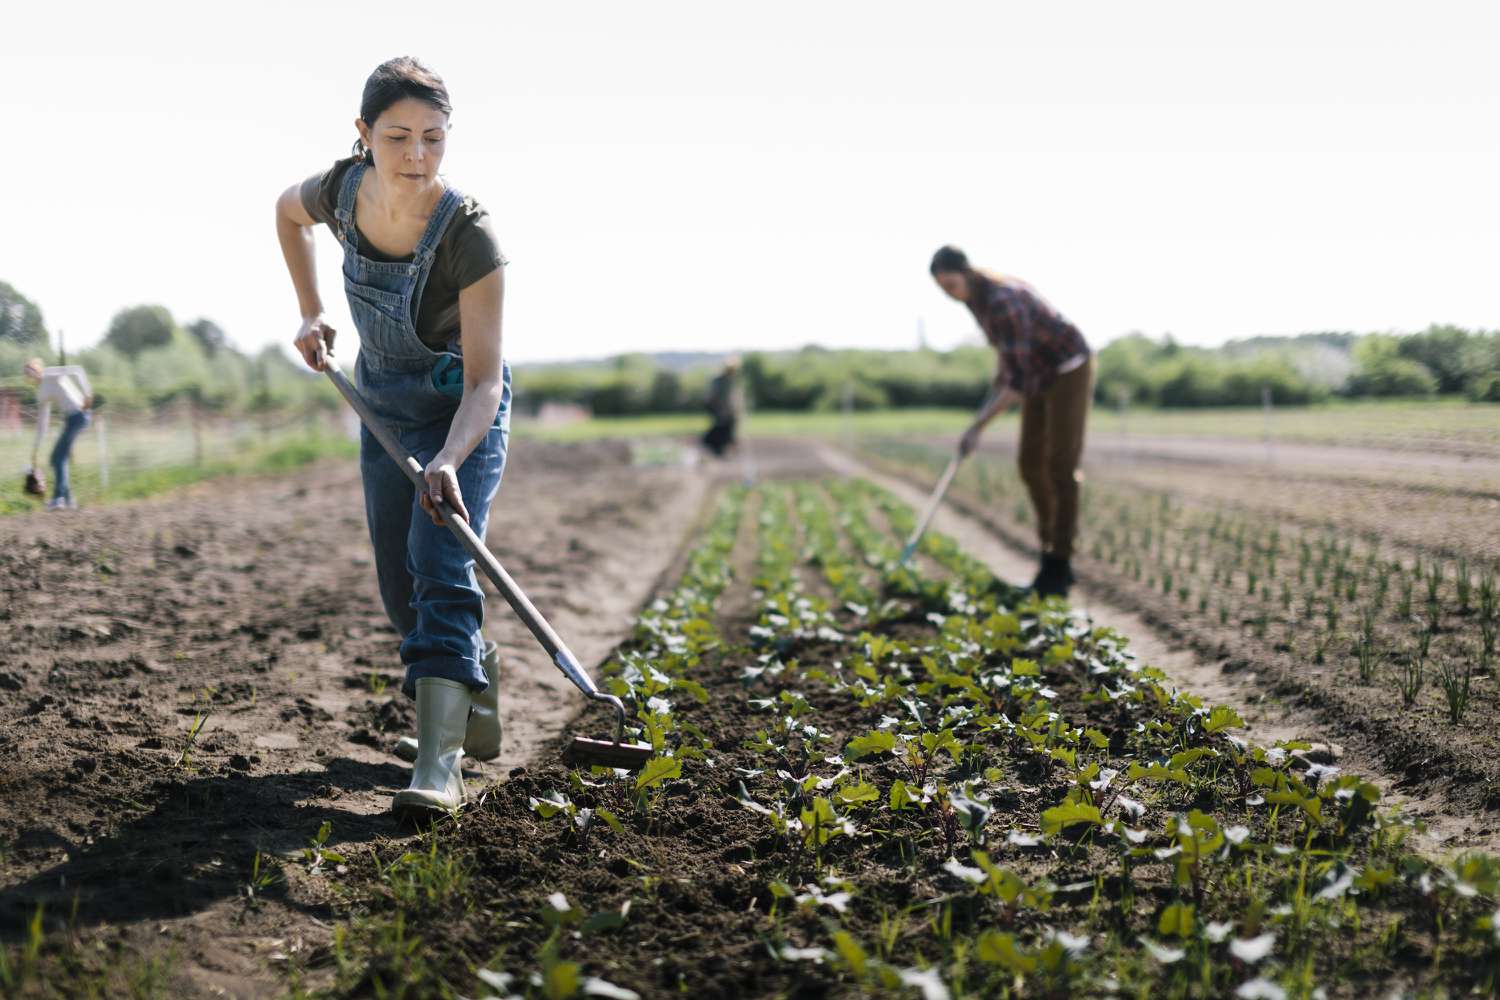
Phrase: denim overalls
pixel 426 578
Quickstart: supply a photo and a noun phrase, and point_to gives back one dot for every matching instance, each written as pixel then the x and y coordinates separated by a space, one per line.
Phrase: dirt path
pixel 191 680
pixel 1268 718
pixel 1434 501
pixel 1466 461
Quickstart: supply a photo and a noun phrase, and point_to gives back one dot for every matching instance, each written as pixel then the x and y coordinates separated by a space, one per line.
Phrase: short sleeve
pixel 472 250
pixel 320 192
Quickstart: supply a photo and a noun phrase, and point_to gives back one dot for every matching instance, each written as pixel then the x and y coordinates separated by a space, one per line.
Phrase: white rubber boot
pixel 482 742
pixel 437 783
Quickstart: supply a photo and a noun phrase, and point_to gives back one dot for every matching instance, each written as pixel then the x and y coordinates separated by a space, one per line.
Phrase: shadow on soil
pixel 198 847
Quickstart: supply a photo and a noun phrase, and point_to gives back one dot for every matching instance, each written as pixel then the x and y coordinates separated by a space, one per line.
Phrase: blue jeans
pixel 62 489
pixel 427 580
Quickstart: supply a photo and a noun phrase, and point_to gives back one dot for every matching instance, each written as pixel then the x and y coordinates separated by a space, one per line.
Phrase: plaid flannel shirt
pixel 1033 338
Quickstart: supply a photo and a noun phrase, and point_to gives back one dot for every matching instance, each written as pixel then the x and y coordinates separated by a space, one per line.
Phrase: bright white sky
pixel 705 175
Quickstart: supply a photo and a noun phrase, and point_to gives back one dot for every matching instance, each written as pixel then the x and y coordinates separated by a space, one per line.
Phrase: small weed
pixel 316 855
pixel 184 759
pixel 261 878
pixel 1413 668
pixel 1369 659
pixel 1454 677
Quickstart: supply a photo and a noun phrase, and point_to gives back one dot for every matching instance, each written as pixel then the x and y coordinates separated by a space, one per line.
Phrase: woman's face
pixel 955 284
pixel 407 141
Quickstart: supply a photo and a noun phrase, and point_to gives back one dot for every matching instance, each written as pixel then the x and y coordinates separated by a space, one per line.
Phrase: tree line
pixel 1135 370
pixel 148 359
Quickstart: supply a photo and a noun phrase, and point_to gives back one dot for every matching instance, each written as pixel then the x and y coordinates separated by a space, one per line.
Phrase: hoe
pixel 938 493
pixel 580 751
pixel 931 508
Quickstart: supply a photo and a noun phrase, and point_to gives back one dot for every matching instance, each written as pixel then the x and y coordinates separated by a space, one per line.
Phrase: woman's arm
pixel 479 308
pixel 1002 397
pixel 294 231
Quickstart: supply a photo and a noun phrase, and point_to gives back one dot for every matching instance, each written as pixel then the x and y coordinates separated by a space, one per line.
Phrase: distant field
pixel 1450 425
pixel 769 424
pixel 1394 424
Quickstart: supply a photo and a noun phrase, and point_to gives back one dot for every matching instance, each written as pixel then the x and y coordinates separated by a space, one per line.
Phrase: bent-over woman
pixel 424 279
pixel 1046 367
pixel 68 387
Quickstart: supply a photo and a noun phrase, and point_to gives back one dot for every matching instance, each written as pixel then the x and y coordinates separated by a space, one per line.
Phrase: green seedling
pixel 1413 668
pixel 262 877
pixel 1454 676
pixel 184 759
pixel 317 855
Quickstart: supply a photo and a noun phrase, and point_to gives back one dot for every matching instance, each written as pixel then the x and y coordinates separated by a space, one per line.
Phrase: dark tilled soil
pixel 190 680
pixel 697 872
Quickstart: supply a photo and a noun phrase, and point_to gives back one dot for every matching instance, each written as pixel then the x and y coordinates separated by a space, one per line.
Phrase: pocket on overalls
pixel 448 376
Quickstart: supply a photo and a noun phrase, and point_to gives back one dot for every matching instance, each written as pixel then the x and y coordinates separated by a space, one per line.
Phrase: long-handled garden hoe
pixel 608 753
pixel 932 506
pixel 938 493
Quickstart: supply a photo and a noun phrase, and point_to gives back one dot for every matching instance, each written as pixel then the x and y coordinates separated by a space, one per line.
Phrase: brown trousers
pixel 1052 424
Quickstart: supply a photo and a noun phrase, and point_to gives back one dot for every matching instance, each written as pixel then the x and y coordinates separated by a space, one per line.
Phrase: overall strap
pixel 447 207
pixel 344 211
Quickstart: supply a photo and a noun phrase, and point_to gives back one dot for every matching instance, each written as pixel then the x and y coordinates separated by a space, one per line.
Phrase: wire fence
pixel 126 454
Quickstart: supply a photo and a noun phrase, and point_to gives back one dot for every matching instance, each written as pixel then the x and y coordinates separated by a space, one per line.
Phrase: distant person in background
pixel 723 408
pixel 68 387
pixel 1046 367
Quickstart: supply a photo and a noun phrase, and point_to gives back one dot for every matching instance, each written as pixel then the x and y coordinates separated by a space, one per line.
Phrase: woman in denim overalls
pixel 451 410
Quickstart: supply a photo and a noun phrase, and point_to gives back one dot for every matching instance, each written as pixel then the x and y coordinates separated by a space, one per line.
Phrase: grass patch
pixel 1389 423
pixel 135 484
pixel 764 424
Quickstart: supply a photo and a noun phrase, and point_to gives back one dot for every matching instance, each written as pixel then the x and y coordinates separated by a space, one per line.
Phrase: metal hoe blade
pixel 629 756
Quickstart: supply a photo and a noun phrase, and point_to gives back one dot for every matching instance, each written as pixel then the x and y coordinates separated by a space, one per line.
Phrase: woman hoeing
pixel 423 275
pixel 1046 367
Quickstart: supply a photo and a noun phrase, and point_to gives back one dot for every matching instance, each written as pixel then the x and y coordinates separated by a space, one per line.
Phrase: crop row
pixel 1056 818
pixel 1415 622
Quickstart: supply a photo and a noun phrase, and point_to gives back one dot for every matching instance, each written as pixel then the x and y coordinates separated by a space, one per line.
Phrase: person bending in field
pixel 1046 368
pixel 68 387
pixel 423 276
pixel 723 408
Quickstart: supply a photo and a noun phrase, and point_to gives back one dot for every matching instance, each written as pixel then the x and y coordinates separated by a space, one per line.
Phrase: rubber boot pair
pixel 451 719
pixel 482 738
pixel 1054 578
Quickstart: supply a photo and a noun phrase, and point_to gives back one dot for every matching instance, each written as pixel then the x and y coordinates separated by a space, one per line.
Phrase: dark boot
pixel 1054 578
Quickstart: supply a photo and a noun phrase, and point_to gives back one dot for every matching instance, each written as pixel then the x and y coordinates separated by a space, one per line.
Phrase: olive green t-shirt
pixel 466 252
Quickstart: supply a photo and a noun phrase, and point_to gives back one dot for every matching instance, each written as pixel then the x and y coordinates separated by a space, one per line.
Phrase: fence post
pixel 1265 402
pixel 100 429
pixel 197 433
pixel 849 416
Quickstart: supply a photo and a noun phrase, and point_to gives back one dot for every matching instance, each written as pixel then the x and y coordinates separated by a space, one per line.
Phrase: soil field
pixel 871 780
pixel 1377 566
pixel 191 687
pixel 905 781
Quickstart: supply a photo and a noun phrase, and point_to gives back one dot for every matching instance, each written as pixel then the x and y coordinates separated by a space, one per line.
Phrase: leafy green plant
pixel 317 855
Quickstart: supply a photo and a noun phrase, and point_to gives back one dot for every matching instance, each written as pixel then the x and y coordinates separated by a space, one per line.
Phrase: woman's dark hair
pixel 949 260
pixel 395 80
